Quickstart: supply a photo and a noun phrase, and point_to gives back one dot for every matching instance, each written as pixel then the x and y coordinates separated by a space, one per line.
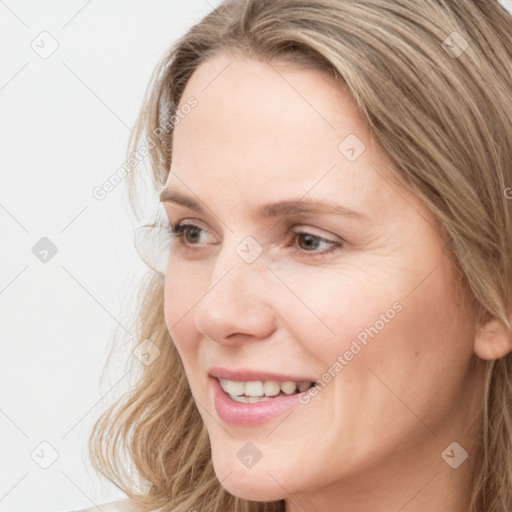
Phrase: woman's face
pixel 363 303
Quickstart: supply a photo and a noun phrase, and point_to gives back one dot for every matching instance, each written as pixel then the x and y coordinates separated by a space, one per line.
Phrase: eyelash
pixel 177 231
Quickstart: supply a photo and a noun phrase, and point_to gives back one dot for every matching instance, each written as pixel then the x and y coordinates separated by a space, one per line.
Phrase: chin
pixel 253 484
pixel 266 491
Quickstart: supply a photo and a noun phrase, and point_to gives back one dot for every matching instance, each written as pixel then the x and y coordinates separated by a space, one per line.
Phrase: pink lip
pixel 245 414
pixel 252 375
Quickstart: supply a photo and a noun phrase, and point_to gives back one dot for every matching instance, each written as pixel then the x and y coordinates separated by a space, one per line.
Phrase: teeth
pixel 231 387
pixel 260 390
pixel 271 387
pixel 249 399
pixel 289 387
pixel 254 399
pixel 303 385
pixel 253 388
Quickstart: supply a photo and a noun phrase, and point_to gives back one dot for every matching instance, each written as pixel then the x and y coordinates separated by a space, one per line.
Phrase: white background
pixel 64 130
pixel 65 126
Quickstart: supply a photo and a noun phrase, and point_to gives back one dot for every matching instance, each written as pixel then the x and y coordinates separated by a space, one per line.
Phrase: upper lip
pixel 252 375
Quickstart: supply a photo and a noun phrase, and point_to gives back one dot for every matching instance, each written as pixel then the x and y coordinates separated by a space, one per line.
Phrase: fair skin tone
pixel 372 439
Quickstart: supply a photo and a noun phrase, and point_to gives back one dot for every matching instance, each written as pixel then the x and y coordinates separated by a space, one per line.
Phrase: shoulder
pixel 125 505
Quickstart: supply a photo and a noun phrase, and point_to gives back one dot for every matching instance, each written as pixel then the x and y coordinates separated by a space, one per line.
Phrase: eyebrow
pixel 277 209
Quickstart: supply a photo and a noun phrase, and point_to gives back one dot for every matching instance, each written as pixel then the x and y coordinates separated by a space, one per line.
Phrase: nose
pixel 237 304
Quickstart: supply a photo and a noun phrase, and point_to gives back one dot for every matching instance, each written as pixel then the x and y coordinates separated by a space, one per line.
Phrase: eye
pixel 189 236
pixel 309 243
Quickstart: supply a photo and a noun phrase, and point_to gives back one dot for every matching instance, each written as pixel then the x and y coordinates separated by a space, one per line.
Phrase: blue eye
pixel 188 236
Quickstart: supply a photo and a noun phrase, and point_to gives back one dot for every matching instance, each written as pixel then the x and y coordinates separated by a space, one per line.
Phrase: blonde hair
pixel 433 79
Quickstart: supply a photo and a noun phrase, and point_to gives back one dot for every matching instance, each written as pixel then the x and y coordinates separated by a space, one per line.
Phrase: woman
pixel 332 331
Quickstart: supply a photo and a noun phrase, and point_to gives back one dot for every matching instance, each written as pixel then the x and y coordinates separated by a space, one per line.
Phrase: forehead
pixel 240 99
pixel 264 129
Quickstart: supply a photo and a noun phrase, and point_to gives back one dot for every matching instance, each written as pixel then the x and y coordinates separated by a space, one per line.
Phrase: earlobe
pixel 493 340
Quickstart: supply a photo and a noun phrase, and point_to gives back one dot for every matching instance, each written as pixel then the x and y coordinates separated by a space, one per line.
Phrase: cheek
pixel 182 291
pixel 418 362
pixel 398 319
pixel 331 308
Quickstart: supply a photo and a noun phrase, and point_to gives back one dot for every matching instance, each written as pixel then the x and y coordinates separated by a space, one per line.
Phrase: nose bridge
pixel 238 298
pixel 241 265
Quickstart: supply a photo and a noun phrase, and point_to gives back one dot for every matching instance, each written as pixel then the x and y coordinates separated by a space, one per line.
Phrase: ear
pixel 493 340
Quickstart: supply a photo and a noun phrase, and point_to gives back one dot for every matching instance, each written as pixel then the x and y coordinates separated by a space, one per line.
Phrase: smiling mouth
pixel 261 391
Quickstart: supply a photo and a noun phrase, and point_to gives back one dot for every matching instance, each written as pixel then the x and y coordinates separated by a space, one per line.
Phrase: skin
pixel 372 439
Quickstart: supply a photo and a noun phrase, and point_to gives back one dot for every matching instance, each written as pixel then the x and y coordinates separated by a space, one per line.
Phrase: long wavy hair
pixel 434 81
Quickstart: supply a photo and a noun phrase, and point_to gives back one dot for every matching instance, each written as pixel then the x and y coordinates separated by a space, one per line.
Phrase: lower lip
pixel 245 414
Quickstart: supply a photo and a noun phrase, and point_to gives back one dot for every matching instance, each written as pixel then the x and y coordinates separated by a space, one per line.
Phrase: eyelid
pixel 194 223
pixel 300 229
pixel 179 229
pixel 297 229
